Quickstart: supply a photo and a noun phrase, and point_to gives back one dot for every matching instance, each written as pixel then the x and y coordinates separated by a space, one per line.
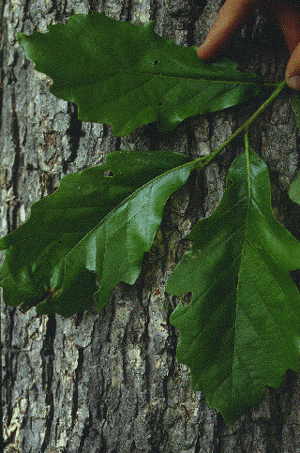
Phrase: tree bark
pixel 109 382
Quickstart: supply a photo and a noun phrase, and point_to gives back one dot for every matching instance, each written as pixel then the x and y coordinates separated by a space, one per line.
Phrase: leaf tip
pixel 21 38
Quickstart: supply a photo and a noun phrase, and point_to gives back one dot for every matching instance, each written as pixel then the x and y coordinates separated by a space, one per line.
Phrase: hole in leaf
pixel 160 104
pixel 186 299
pixel 108 174
pixel 155 63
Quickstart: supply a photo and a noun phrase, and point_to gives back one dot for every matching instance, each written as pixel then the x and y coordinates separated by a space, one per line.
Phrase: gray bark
pixel 109 382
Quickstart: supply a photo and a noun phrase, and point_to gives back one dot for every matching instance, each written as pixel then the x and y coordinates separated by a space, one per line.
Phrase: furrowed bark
pixel 110 382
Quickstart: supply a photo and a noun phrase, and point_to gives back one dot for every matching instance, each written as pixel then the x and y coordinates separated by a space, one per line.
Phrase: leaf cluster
pixel 241 330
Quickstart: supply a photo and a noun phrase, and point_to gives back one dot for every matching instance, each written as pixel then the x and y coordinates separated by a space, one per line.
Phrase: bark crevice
pixel 47 356
pixel 110 382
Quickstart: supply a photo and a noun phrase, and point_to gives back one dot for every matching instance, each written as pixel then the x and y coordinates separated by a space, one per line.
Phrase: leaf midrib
pixel 131 70
pixel 111 213
pixel 239 272
pixel 181 78
pixel 126 200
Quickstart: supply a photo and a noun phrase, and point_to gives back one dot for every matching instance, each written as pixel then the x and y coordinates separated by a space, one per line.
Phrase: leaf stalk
pixel 242 128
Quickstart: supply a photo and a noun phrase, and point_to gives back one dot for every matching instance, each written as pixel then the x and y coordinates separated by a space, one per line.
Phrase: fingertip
pixel 294 82
pixel 231 18
pixel 204 52
pixel 292 74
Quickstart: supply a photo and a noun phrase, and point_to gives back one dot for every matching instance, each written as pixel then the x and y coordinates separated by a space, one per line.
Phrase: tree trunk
pixel 109 382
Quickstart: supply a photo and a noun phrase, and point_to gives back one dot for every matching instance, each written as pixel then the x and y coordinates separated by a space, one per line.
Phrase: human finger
pixel 232 17
pixel 288 19
pixel 292 73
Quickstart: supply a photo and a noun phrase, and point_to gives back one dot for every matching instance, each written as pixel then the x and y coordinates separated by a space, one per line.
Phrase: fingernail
pixel 294 82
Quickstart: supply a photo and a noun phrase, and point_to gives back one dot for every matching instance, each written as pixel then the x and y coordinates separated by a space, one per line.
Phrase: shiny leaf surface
pixel 99 221
pixel 128 76
pixel 241 330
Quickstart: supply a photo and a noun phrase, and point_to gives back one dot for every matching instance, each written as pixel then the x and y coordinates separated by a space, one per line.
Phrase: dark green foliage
pixel 128 76
pixel 101 220
pixel 241 330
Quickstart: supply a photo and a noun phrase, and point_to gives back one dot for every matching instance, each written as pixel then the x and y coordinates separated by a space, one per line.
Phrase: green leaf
pixel 128 76
pixel 294 192
pixel 101 220
pixel 241 330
